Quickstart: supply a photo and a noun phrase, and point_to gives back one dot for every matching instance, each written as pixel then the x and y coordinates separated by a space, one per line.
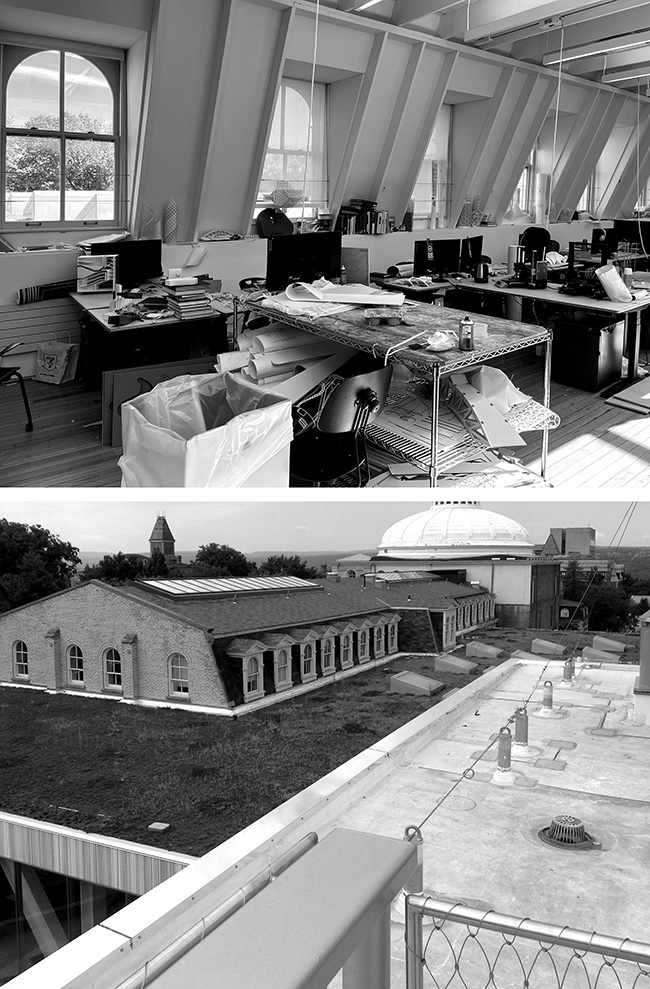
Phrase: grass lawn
pixel 113 769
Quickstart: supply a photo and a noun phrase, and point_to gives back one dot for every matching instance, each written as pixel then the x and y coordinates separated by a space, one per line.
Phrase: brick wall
pixel 96 618
pixel 416 632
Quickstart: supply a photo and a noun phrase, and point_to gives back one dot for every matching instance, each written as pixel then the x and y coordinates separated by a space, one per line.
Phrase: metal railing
pixel 451 946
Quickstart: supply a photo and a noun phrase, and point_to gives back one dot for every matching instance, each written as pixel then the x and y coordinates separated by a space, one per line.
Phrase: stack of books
pixel 188 301
pixel 361 216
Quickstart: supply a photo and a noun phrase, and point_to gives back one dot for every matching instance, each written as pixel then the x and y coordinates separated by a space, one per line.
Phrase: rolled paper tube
pixel 400 270
pixel 232 361
pixel 266 343
pixel 170 222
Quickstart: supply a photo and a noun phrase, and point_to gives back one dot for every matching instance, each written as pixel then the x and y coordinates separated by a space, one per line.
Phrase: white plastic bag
pixel 206 430
pixel 615 287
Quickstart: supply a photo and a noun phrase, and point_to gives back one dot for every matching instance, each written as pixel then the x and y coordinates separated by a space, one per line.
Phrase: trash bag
pixel 206 431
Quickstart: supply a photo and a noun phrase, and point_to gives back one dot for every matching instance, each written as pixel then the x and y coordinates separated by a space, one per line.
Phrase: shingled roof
pixel 233 616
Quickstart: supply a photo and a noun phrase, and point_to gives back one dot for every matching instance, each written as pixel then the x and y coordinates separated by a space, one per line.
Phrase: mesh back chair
pixel 336 445
pixel 6 373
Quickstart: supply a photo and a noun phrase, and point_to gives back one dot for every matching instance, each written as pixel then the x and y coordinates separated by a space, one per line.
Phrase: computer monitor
pixel 436 258
pixel 302 258
pixel 137 260
pixel 471 252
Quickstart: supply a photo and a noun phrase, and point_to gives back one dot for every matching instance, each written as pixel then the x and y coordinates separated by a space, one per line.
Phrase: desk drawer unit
pixel 587 356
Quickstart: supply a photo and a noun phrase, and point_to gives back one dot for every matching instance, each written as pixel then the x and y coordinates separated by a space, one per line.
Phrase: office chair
pixel 6 373
pixel 336 444
pixel 534 239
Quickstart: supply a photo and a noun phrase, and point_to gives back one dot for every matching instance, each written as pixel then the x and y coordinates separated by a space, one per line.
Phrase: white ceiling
pixel 604 41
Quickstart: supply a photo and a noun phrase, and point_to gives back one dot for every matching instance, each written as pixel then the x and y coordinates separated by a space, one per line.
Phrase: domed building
pixel 466 543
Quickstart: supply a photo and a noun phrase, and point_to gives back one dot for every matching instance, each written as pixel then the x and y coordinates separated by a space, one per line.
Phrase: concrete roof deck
pixel 589 759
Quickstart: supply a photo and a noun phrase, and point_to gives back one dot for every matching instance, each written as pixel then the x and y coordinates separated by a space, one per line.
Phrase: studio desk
pixel 406 344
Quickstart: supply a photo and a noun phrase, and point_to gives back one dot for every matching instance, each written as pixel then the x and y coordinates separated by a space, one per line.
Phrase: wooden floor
pixel 597 445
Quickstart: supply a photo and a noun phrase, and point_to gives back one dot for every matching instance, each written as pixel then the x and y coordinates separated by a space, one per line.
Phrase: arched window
pixel 253 675
pixel 112 670
pixel 297 143
pixel 282 667
pixel 21 660
pixel 345 650
pixel 61 133
pixel 392 637
pixel 178 674
pixel 75 664
pixel 379 640
pixel 327 655
pixel 363 644
pixel 307 660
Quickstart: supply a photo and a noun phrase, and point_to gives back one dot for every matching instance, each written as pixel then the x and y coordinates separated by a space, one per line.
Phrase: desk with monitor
pixel 628 312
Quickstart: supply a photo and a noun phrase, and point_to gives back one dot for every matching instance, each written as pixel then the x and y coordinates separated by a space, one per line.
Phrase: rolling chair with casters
pixel 336 445
pixel 6 373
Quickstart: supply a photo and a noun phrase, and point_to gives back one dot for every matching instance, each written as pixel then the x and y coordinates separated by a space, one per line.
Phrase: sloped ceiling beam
pixel 538 99
pixel 399 110
pixel 586 149
pixel 338 192
pixel 466 184
pixel 633 172
pixel 401 161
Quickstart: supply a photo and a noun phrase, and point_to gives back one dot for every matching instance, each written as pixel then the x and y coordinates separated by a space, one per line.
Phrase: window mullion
pixel 62 215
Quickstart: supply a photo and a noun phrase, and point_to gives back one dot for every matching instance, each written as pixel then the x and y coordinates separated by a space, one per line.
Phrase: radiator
pixel 34 323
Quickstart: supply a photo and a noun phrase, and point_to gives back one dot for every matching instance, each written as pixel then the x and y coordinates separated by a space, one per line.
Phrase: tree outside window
pixel 61 140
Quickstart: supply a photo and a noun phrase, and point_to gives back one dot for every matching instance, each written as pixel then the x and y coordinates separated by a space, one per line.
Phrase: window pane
pixel 33 92
pixel 90 179
pixel 430 196
pixel 296 121
pixel 88 98
pixel 33 178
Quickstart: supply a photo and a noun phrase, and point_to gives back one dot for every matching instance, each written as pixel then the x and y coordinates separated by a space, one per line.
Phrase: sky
pixel 286 521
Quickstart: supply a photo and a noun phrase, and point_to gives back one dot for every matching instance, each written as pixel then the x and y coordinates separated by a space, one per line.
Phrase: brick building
pixel 228 643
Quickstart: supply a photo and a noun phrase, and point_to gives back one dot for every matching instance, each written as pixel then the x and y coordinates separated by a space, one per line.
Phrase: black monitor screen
pixel 137 260
pixel 436 258
pixel 302 258
pixel 471 252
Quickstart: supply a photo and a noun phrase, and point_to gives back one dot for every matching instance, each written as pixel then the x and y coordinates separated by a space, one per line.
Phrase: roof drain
pixel 566 831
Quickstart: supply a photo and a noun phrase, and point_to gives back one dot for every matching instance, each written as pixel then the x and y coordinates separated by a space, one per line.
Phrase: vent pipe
pixel 642 682
pixel 547 696
pixel 504 775
pixel 521 726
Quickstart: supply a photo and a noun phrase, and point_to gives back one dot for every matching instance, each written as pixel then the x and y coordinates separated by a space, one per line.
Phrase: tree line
pixel 34 563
